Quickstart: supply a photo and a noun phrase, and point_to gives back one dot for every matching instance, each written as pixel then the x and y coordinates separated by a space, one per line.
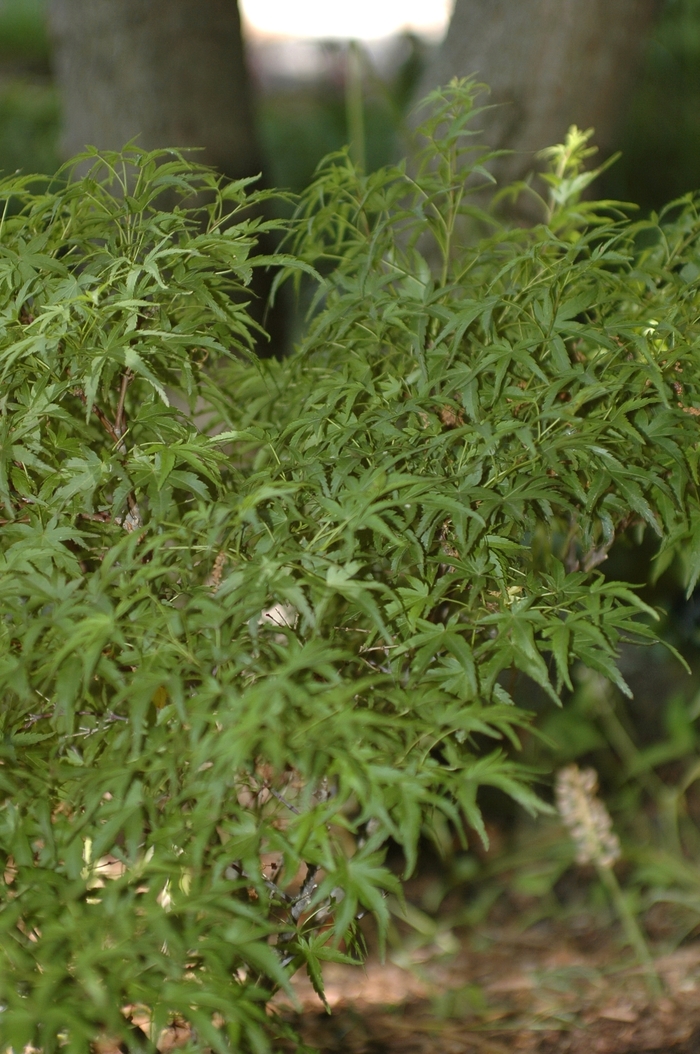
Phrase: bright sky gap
pixel 359 19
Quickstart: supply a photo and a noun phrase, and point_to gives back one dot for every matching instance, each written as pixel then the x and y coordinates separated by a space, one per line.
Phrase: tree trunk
pixel 549 64
pixel 166 72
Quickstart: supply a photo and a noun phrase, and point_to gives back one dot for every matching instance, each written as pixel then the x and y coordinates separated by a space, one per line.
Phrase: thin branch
pixel 133 519
pixel 98 517
pixel 119 421
pixel 303 899
pixel 271 886
pixel 100 415
pixel 279 797
pixel 309 882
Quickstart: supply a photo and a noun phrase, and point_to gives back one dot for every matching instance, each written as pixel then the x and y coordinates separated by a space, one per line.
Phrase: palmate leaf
pixel 312 951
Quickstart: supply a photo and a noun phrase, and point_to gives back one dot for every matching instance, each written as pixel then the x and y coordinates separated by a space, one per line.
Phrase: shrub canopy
pixel 256 616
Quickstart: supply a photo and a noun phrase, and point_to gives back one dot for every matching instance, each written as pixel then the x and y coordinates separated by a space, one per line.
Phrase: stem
pixel 119 421
pixel 279 797
pixel 100 415
pixel 635 937
pixel 116 435
pixel 624 745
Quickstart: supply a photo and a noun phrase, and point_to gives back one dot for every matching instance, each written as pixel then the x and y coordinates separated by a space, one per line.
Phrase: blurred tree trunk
pixel 549 64
pixel 169 72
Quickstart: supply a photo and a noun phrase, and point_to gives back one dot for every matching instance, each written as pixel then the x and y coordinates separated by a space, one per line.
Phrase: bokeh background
pixel 298 58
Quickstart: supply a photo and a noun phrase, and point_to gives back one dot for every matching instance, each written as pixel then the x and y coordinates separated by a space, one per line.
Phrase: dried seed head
pixel 214 580
pixel 586 817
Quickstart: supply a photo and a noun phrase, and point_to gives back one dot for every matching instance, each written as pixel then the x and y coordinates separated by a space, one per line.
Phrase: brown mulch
pixel 554 988
pixel 384 1034
pixel 541 992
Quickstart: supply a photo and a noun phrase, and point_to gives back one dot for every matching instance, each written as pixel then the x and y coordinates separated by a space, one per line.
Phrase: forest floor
pixel 554 988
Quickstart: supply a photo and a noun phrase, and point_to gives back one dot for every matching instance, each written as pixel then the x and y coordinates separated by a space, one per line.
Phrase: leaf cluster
pixel 258 619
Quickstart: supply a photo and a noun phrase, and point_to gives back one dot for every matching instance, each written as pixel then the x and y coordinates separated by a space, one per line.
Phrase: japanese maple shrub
pixel 255 615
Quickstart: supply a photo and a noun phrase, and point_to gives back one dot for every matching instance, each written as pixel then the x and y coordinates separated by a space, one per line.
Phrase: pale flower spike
pixel 596 843
pixel 586 817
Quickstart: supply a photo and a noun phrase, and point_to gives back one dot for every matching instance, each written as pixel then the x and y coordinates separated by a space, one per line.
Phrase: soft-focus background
pixel 298 58
pixel 296 53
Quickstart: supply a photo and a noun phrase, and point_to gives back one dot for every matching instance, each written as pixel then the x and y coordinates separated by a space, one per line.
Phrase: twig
pixel 100 415
pixel 271 886
pixel 33 718
pixel 99 517
pixel 133 520
pixel 303 898
pixel 309 882
pixel 279 797
pixel 119 420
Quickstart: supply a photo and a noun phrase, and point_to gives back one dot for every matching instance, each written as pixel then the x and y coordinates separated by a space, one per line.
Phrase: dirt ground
pixel 550 990
pixel 559 986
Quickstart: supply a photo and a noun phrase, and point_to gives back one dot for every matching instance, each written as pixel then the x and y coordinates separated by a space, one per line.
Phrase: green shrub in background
pixel 29 117
pixel 660 133
pixel 256 616
pixel 24 35
pixel 29 106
